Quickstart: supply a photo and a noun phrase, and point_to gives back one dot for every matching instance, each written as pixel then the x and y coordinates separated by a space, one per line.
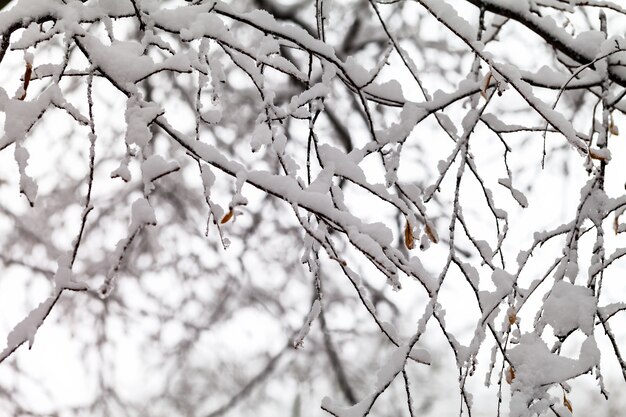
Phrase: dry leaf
pixel 227 216
pixel 409 240
pixel 567 404
pixel 510 375
pixel 512 318
pixel 431 233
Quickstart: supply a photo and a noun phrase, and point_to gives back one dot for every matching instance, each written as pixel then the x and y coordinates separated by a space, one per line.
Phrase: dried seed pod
pixel 567 404
pixel 409 239
pixel 431 233
pixel 483 91
pixel 510 375
pixel 613 129
pixel 600 154
pixel 27 75
pixel 227 216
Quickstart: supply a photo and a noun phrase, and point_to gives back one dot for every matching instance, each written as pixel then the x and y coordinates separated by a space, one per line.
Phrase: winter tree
pixel 312 207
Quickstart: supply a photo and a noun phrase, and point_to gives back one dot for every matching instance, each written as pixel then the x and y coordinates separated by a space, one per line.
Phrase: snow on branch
pixel 365 159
